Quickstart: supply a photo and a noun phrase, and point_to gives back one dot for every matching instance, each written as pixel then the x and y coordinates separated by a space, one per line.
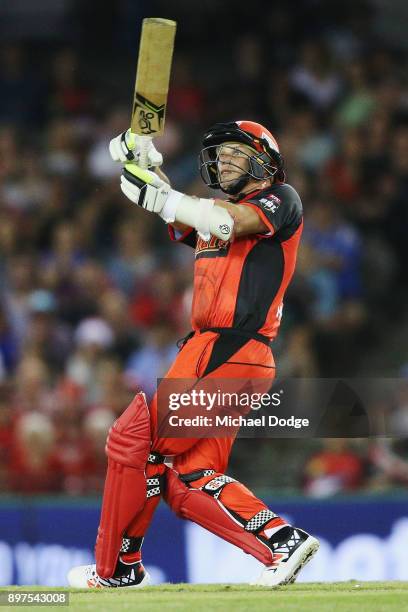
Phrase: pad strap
pixel 131 545
pixel 257 522
pixel 215 486
pixel 155 458
pixel 192 476
pixel 153 486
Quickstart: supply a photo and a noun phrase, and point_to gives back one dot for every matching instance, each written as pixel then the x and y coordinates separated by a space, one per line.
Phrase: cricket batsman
pixel 245 255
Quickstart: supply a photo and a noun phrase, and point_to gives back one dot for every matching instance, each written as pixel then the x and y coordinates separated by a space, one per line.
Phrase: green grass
pixel 307 597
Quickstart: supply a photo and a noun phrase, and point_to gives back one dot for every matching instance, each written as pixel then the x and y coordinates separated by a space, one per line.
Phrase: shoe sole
pixel 301 561
pixel 83 583
pixel 304 561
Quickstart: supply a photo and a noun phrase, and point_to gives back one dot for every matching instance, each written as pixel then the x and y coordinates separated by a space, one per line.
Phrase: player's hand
pixel 127 146
pixel 144 188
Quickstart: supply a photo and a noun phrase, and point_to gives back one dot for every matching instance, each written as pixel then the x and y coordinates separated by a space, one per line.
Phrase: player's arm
pixel 246 220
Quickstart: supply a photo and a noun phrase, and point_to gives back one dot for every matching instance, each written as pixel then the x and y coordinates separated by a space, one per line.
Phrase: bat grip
pixel 144 149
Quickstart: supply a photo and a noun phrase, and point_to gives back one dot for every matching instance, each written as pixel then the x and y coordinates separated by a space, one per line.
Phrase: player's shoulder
pixel 283 194
pixel 280 200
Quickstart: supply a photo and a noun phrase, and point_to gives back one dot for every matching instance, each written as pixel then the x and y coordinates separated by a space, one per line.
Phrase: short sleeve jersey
pixel 242 284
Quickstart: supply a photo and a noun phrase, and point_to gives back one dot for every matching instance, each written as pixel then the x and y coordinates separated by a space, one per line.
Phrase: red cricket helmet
pixel 266 161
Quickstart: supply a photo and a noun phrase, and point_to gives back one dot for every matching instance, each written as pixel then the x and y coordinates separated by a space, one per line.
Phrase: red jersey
pixel 242 284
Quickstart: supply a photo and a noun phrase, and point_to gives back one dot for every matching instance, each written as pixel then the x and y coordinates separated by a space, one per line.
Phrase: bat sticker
pixel 147 115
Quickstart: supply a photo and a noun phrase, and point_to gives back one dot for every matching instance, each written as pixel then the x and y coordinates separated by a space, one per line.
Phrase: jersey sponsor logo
pixel 215 247
pixel 270 203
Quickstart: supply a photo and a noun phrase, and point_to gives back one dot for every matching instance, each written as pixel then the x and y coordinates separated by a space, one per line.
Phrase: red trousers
pixel 209 354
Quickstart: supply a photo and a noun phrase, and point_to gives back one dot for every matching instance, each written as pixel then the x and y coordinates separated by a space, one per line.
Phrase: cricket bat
pixel 152 80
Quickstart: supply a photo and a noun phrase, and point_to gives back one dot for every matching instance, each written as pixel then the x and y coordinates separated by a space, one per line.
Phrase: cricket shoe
pixel 126 575
pixel 292 549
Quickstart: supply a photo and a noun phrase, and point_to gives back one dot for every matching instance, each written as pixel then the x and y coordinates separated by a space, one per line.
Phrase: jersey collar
pixel 244 197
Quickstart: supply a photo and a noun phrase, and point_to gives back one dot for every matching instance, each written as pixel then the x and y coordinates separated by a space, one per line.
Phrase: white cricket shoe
pixel 291 552
pixel 126 575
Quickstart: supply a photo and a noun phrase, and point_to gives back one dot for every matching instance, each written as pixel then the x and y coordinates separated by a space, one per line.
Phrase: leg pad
pixel 127 448
pixel 208 512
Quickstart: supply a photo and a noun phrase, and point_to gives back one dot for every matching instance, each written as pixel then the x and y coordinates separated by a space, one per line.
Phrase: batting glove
pixel 127 147
pixel 144 188
pixel 147 190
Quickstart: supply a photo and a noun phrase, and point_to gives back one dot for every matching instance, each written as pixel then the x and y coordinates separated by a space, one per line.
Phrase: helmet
pixel 266 160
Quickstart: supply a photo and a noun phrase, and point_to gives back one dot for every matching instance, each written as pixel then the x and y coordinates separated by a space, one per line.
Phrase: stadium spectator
pixel 132 262
pixel 93 338
pixel 33 468
pixel 156 355
pixel 336 468
pixel 47 338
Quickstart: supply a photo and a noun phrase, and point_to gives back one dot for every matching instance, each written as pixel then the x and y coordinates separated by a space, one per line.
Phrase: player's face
pixel 233 162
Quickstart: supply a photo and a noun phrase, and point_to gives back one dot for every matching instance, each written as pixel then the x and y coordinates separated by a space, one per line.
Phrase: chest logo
pixel 215 247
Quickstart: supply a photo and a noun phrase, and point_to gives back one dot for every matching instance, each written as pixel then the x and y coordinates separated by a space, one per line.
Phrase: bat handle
pixel 144 149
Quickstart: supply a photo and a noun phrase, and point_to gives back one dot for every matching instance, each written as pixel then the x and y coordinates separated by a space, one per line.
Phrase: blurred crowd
pixel 93 296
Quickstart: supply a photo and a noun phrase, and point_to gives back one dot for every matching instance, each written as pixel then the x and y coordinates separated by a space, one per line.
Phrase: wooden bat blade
pixel 153 76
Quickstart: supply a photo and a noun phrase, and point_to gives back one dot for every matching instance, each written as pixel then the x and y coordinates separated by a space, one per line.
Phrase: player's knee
pixel 128 440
